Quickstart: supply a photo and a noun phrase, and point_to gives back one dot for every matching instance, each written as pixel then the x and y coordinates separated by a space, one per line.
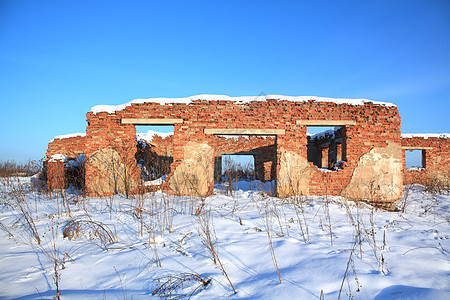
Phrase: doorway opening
pixel 154 152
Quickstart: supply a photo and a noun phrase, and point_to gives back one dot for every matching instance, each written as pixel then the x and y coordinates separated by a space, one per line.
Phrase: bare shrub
pixel 407 189
pixel 75 229
pixel 2 226
pixel 124 293
pixel 18 197
pixel 172 284
pixel 326 208
pixel 438 247
pixel 56 261
pixel 207 235
pixel 55 256
pixel 74 173
pixel 266 188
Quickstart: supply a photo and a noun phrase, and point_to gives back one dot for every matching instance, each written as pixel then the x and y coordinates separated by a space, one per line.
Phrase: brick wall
pixel 105 131
pixel 262 148
pixel 162 146
pixel 375 126
pixel 436 155
pixel 55 174
pixel 372 126
pixel 71 147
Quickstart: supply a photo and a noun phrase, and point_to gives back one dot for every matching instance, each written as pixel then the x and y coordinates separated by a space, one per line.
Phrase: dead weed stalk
pixel 172 284
pixel 269 237
pixel 208 237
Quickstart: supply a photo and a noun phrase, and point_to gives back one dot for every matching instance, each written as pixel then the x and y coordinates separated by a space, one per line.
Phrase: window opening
pixel 326 146
pixel 415 159
pixel 154 152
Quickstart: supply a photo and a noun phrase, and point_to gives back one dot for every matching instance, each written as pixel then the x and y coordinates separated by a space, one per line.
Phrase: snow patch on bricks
pixel 426 135
pixel 57 157
pixel 240 100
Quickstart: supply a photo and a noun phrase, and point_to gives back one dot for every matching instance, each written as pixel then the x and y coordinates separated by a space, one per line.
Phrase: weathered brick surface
pixel 55 175
pixel 105 131
pixel 435 160
pixel 70 147
pixel 375 126
pixel 262 148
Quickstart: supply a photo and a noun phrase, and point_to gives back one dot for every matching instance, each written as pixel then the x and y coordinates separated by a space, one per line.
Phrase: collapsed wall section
pixel 62 151
pixel 154 151
pixel 71 145
pixel 373 167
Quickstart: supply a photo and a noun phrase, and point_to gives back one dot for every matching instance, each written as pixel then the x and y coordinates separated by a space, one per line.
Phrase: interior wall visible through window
pixel 326 146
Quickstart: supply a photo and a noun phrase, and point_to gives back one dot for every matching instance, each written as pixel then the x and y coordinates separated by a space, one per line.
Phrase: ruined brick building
pixel 362 158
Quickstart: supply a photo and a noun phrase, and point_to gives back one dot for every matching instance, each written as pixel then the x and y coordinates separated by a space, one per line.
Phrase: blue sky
pixel 60 58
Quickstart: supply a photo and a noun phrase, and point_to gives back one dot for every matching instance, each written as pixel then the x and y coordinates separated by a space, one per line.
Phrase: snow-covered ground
pixel 319 245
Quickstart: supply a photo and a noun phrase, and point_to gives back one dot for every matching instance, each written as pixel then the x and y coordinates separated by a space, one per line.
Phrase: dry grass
pixel 268 220
pixel 11 168
pixel 156 216
pixel 209 240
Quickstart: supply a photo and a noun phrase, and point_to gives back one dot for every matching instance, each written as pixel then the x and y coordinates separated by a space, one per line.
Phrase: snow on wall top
pixel 240 100
pixel 65 136
pixel 426 135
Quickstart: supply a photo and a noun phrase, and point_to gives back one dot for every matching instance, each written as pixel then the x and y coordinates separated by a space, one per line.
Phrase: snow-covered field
pixel 322 247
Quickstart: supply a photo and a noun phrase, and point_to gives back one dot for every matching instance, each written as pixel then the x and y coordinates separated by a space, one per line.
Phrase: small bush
pixel 93 230
pixel 438 183
pixel 171 285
